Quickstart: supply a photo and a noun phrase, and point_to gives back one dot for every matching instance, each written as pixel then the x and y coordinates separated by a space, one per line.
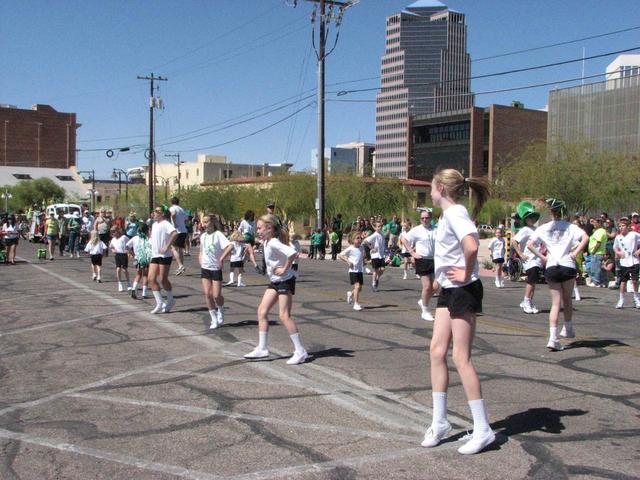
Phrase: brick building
pixel 473 140
pixel 40 137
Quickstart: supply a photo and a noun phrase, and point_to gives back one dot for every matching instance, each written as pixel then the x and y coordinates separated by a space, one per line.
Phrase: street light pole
pixel 120 172
pixel 6 195
pixel 178 162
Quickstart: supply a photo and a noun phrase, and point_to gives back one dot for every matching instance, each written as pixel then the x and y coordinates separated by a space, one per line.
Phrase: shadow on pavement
pixel 595 344
pixel 330 352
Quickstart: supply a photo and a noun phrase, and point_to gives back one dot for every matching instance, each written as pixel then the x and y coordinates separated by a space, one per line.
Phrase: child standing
pixel 377 244
pixel 406 256
pixel 96 248
pixel 118 246
pixel 163 234
pixel 354 256
pixel 214 248
pixel 238 255
pixel 627 248
pixel 316 240
pixel 333 239
pixel 140 247
pixel 532 265
pixel 497 251
pixel 420 243
pixel 279 258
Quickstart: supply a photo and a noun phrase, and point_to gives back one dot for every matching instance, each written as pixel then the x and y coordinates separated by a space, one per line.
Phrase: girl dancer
pixel 214 248
pixel 118 246
pixel 406 256
pixel 354 256
pixel 95 247
pixel 627 248
pixel 497 248
pixel 563 241
pixel 377 244
pixel 422 237
pixel 532 264
pixel 456 270
pixel 140 247
pixel 279 258
pixel 238 255
pixel 163 234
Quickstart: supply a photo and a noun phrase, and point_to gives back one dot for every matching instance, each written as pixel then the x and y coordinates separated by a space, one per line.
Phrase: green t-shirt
pixel 333 237
pixel 316 239
pixel 394 228
pixel 599 235
pixel 52 226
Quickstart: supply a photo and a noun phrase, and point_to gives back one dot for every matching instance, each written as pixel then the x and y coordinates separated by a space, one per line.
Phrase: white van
pixel 66 209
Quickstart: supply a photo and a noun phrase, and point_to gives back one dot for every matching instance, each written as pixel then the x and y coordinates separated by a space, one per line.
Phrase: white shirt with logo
pixel 497 247
pixel 276 254
pixel 560 238
pixel 423 240
pixel 355 255
pixel 160 233
pixel 211 247
pixel 522 237
pixel 628 243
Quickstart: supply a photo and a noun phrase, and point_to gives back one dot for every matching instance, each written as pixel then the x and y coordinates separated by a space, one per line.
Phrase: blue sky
pixel 228 58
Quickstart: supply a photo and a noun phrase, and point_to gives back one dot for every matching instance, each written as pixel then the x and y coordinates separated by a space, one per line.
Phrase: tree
pixel 40 191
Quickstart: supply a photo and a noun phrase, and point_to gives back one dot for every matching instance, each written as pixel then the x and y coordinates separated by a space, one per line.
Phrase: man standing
pixel 635 222
pixel 338 227
pixel 597 247
pixel 394 228
pixel 178 218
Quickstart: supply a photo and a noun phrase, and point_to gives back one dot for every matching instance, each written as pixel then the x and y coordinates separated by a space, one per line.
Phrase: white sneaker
pixel 220 316
pixel 257 353
pixel 93 277
pixel 230 282
pixel 434 437
pixel 349 297
pixel 298 358
pixel 357 307
pixel 577 297
pixel 180 270
pixel 404 277
pixel 214 322
pixel 526 307
pixel 120 288
pixel 497 283
pixel 533 308
pixel 241 284
pixel 478 442
pixel 555 345
pixel 157 309
pixel 368 271
pixel 636 303
pixel 426 316
pixel 620 303
pixel 166 307
pixel 374 287
pixel 567 332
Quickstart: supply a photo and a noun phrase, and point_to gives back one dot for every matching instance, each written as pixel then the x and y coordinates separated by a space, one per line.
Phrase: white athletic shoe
pixel 636 303
pixel 230 282
pixel 242 284
pixel 357 307
pixel 434 437
pixel 567 332
pixel 478 442
pixel 420 304
pixel 497 283
pixel 120 288
pixel 93 277
pixel 620 303
pixel 426 316
pixel 298 358
pixel 502 283
pixel 534 309
pixel 404 277
pixel 349 297
pixel 577 297
pixel 257 353
pixel 368 271
pixel 220 316
pixel 555 345
pixel 180 270
pixel 166 307
pixel 214 322
pixel 157 309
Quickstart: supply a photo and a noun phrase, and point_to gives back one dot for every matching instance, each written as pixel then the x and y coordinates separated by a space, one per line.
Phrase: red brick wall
pixel 40 137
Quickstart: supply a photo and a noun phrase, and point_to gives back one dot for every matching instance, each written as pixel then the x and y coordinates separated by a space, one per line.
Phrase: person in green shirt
pixel 334 239
pixel 63 233
pixel 596 248
pixel 316 240
pixel 74 226
pixel 52 228
pixel 394 228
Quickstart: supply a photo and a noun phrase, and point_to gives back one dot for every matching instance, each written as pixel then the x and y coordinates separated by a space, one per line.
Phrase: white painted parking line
pixel 56 293
pixel 229 378
pixel 245 416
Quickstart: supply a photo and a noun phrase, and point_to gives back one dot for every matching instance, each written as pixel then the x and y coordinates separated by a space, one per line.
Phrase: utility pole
pixel 321 54
pixel 176 155
pixel 153 103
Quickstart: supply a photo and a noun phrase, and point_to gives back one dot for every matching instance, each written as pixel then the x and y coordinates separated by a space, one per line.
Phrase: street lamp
pixel 93 192
pixel 117 173
pixel 6 195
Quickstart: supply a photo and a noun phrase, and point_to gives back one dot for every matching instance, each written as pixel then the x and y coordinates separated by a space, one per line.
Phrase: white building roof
pixel 68 179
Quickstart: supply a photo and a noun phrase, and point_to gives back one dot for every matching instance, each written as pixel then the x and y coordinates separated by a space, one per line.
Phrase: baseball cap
pixel 635 214
pixel 271 205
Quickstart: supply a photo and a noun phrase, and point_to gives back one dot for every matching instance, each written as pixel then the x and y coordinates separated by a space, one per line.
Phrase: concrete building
pixel 365 155
pixel 605 114
pixel 212 168
pixel 474 141
pixel 425 70
pixel 40 137
pixel 67 178
pixel 348 158
pixel 624 66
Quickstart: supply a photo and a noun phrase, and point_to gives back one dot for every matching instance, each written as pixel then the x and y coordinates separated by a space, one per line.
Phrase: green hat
pixel 527 210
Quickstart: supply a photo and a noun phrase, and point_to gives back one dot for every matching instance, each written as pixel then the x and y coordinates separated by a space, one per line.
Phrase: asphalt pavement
pixel 95 387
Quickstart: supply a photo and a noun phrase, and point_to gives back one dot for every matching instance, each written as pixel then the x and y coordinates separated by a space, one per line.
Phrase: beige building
pixel 212 168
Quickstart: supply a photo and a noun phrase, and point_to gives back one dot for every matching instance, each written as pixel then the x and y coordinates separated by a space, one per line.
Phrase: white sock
pixel 479 413
pixel 119 284
pixel 439 407
pixel 231 277
pixel 576 292
pixel 553 333
pixel 568 325
pixel 158 296
pixel 144 290
pixel 636 296
pixel 425 306
pixel 262 340
pixel 134 286
pixel 622 296
pixel 239 279
pixel 169 295
pixel 212 313
pixel 295 338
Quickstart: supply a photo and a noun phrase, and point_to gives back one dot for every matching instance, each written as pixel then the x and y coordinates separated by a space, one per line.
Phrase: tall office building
pixel 425 69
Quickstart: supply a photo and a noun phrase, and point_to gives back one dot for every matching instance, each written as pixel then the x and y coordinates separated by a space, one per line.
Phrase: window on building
pixel 22 176
pixel 228 173
pixel 65 178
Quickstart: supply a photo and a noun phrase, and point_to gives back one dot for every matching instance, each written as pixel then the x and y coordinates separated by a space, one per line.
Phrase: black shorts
pixel 180 241
pixel 462 300
pixel 559 274
pixel 96 260
pixel 162 260
pixel 104 238
pixel 122 260
pixel 213 275
pixel 498 260
pixel 533 275
pixel 239 264
pixel 406 254
pixel 377 263
pixel 356 277
pixel 629 273
pixel 294 267
pixel 424 266
pixel 11 241
pixel 285 286
pixel 141 268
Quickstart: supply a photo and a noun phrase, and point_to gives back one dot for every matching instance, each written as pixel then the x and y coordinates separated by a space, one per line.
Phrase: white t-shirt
pixel 97 249
pixel 423 240
pixel 87 222
pixel 628 243
pixel 356 256
pixel 160 233
pixel 179 221
pixel 403 234
pixel 453 226
pixel 497 247
pixel 522 237
pixel 11 232
pixel 276 254
pixel 246 227
pixel 238 252
pixel 560 237
pixel 119 245
pixel 376 242
pixel 211 247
